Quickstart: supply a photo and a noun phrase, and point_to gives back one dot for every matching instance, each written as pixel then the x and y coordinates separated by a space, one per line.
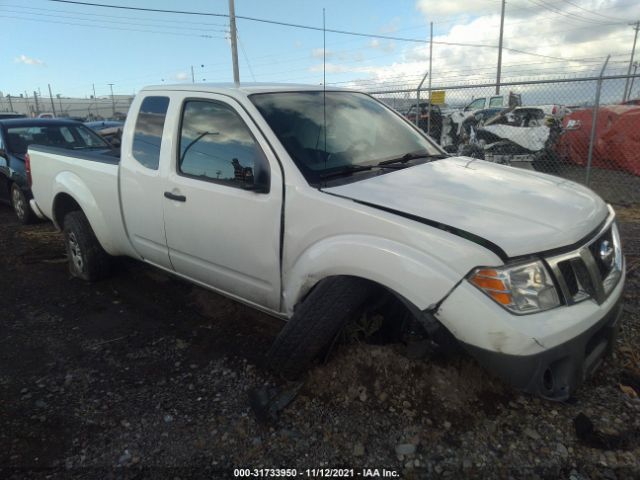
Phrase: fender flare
pixel 70 184
pixel 421 279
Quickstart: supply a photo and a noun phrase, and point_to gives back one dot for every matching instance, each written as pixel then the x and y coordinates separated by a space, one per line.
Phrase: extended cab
pixel 304 203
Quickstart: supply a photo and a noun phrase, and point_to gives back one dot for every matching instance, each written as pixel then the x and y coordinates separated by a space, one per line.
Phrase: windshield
pixel 359 132
pixel 74 137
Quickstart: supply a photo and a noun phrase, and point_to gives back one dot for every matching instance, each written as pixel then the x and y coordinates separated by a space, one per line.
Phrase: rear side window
pixel 148 134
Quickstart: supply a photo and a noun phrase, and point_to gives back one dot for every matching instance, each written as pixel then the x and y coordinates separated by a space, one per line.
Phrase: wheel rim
pixel 18 202
pixel 76 253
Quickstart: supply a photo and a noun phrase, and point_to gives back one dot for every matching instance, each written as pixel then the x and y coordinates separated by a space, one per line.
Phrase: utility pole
pixel 193 78
pixel 430 77
pixel 234 42
pixel 94 90
pixel 26 99
pixel 113 102
pixel 10 104
pixel 53 105
pixel 59 102
pixel 633 52
pixel 500 48
pixel 635 68
pixel 35 97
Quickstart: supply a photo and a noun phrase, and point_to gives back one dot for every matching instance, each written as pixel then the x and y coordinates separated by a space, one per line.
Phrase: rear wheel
pixel 21 205
pixel 316 322
pixel 87 258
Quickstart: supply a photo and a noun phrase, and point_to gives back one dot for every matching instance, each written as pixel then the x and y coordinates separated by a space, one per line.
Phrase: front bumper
pixel 555 373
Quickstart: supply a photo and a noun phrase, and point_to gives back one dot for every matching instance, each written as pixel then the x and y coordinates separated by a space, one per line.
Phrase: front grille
pixel 593 270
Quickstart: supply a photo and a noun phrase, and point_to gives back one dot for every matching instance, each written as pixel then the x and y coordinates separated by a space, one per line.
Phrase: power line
pixel 592 12
pixel 119 22
pixel 111 28
pixel 116 16
pixel 573 16
pixel 307 27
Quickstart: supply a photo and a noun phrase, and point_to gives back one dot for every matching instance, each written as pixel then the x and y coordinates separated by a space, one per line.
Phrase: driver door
pixel 220 230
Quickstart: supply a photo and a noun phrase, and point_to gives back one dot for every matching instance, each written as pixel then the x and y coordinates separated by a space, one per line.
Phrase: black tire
pixel 87 258
pixel 315 323
pixel 21 206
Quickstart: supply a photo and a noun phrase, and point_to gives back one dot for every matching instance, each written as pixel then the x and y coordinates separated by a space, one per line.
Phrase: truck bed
pixel 111 157
pixel 93 178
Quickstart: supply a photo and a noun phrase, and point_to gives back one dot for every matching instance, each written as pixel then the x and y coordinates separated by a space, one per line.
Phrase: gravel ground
pixel 144 376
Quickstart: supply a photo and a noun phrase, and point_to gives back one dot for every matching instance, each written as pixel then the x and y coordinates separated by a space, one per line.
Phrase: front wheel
pixel 21 206
pixel 315 322
pixel 87 258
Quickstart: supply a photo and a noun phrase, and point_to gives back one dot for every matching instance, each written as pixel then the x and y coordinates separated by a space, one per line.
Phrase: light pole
pixel 234 42
pixel 113 101
pixel 500 49
pixel 636 27
pixel 635 68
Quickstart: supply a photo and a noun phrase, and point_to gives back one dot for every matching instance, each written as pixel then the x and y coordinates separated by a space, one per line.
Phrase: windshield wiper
pixel 411 156
pixel 346 170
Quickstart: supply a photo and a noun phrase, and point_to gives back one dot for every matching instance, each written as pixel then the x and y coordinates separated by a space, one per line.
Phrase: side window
pixel 216 145
pixel 148 133
pixel 476 104
pixel 495 102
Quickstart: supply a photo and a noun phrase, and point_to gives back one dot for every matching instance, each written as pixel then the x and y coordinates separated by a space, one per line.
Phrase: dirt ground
pixel 145 376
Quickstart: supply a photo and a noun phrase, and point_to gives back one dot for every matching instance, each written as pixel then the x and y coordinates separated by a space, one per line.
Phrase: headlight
pixel 525 288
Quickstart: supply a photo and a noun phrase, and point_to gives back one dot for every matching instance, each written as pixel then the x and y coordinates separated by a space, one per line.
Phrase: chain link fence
pixel 543 125
pixel 84 109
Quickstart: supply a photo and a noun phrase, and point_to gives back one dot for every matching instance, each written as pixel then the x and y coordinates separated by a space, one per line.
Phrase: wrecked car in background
pixel 520 136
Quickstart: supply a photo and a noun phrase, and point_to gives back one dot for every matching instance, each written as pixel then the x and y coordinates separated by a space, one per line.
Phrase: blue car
pixel 15 137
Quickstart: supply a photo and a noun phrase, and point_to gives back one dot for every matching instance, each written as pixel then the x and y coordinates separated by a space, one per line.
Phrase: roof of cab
pixel 243 89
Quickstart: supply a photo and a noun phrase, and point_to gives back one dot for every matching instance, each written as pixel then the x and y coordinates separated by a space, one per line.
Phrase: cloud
pixel 181 76
pixel 320 53
pixel 385 46
pixel 583 39
pixel 29 61
pixel 434 8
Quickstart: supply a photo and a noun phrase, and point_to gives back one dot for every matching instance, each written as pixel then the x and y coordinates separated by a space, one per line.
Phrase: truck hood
pixel 520 211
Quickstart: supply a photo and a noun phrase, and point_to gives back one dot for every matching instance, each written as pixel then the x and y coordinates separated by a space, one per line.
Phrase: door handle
pixel 177 198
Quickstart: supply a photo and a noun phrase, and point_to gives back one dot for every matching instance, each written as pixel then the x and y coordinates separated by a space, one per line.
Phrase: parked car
pixel 308 203
pixel 15 137
pixel 435 127
pixel 496 101
pixel 110 130
pixel 8 115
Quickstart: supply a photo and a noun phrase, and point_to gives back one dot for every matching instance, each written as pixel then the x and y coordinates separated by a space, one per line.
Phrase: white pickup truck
pixel 304 203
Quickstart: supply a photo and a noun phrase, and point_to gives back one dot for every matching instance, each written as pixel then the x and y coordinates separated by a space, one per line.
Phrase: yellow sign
pixel 437 97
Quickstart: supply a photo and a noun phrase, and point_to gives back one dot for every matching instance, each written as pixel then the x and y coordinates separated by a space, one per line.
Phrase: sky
pixel 76 48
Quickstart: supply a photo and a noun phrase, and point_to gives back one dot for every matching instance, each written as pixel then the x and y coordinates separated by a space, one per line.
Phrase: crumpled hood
pixel 520 211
